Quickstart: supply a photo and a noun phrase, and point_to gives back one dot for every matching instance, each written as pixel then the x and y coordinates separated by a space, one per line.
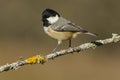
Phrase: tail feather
pixel 92 34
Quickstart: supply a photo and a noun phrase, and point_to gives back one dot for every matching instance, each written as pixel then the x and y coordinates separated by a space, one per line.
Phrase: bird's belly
pixel 59 35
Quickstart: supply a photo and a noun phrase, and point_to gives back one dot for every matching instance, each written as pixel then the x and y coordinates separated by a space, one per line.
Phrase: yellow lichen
pixel 42 59
pixel 36 59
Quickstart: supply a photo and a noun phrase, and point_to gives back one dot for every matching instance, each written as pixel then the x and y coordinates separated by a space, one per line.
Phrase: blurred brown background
pixel 21 34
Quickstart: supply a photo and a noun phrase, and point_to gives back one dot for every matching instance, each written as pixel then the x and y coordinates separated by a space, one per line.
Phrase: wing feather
pixel 66 26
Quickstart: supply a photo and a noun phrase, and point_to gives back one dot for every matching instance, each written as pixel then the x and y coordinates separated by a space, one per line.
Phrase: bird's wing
pixel 67 26
pixel 72 28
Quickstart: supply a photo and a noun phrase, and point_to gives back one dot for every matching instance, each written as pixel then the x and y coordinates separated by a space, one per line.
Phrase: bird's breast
pixel 58 35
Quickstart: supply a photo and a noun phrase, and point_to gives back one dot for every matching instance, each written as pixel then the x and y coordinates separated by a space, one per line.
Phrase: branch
pixel 38 59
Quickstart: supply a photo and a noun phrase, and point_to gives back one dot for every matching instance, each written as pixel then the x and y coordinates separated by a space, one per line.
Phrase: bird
pixel 60 28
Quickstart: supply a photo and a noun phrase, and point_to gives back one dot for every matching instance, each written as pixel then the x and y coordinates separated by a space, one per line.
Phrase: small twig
pixel 42 59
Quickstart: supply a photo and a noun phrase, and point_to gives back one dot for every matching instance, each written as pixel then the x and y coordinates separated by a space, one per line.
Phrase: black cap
pixel 49 12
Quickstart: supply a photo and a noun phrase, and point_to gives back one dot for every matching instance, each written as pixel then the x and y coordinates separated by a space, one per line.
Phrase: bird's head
pixel 49 17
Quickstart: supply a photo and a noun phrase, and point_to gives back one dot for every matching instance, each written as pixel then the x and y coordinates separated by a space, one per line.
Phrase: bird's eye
pixel 46 16
pixel 43 19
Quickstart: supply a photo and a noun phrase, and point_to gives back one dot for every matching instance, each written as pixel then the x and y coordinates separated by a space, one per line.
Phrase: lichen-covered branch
pixel 42 59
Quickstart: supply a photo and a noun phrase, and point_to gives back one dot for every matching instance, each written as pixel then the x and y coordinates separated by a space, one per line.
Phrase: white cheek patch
pixel 53 19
